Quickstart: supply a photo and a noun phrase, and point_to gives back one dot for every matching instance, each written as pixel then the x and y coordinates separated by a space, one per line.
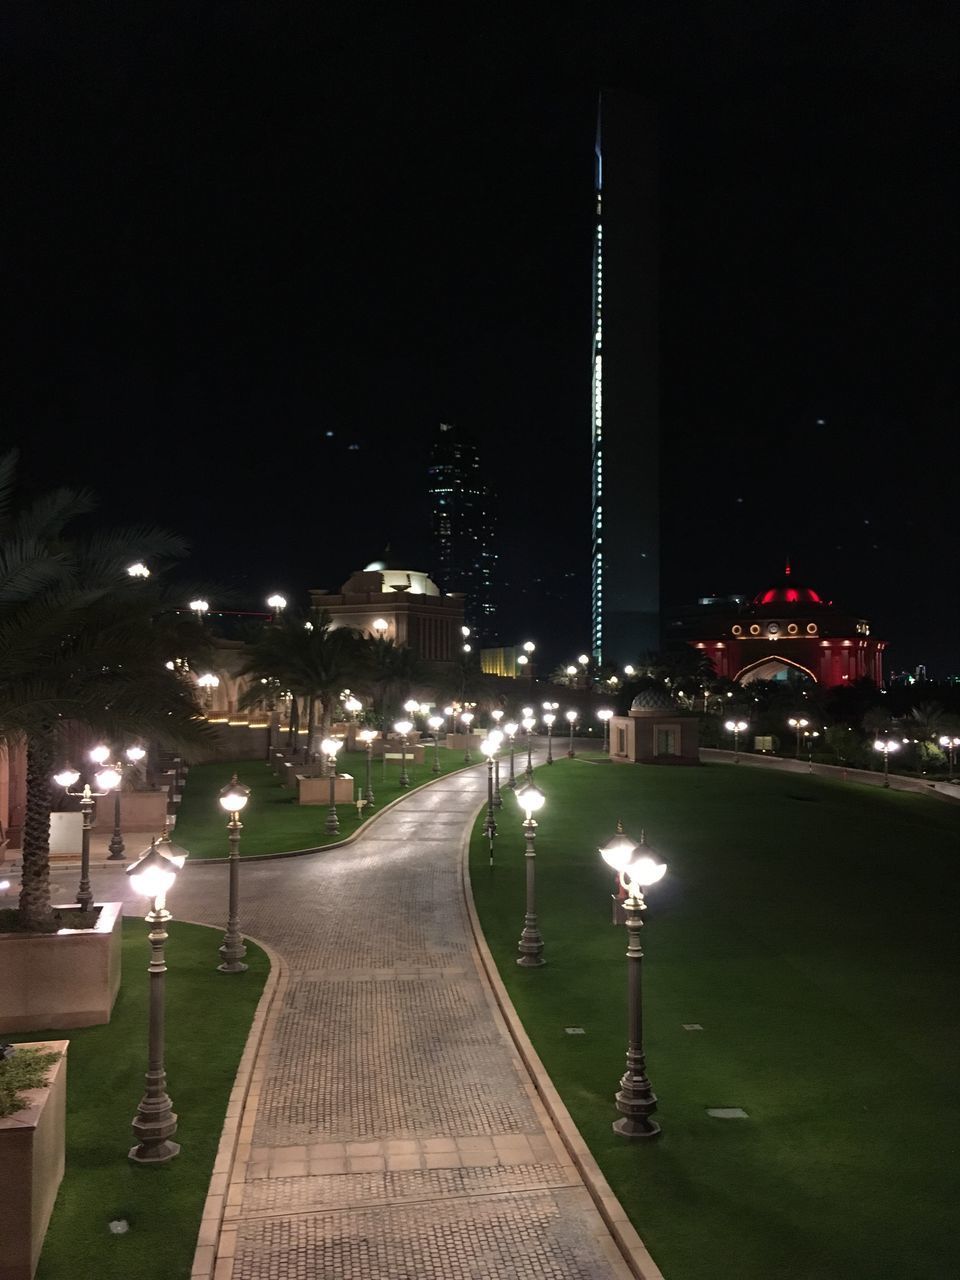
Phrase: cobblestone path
pixel 396 1133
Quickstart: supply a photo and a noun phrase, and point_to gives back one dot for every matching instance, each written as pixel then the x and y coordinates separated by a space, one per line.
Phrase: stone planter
pixel 139 811
pixel 31 1167
pixel 317 790
pixel 67 979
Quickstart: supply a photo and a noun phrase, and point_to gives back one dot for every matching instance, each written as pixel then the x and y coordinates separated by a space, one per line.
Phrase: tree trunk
pixel 36 911
pixel 311 713
pixel 294 723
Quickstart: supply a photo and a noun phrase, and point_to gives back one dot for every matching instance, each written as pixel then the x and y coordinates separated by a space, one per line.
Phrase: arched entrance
pixel 774 667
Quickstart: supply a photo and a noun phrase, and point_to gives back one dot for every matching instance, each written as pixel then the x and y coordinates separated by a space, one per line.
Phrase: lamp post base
pixel 231 955
pixel 628 1128
pixel 159 1153
pixel 117 848
pixel 530 947
pixel 154 1125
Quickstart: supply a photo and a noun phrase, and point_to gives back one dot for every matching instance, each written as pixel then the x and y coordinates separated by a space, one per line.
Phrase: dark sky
pixel 232 228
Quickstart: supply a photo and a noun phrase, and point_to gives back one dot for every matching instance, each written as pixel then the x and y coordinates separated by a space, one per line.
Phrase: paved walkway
pixel 396 1134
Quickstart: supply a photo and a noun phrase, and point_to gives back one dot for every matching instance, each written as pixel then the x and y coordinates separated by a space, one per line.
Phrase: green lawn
pixel 208 1019
pixel 273 821
pixel 809 927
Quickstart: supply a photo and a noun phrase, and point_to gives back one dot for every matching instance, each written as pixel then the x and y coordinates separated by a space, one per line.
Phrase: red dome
pixel 788 594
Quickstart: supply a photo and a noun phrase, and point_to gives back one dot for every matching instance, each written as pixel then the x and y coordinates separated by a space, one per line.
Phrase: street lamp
pixel 466 717
pixel 636 1100
pixel 352 705
pixel 629 671
pixel 380 627
pixel 531 800
pixel 232 798
pixel 584 661
pixel 798 726
pixel 951 745
pixel 403 727
pixel 277 603
pixel 411 706
pixel 522 660
pixel 528 647
pixel 605 714
pixel 886 745
pixel 138 570
pixel 367 736
pixel 449 714
pixel 736 727
pixel 489 747
pixel 571 721
pixel 199 608
pixel 436 724
pixel 510 729
pixel 330 747
pixel 548 719
pixel 497 735
pixel 105 780
pixel 571 674
pixel 529 723
pixel 111 779
pixel 153 876
pixel 208 682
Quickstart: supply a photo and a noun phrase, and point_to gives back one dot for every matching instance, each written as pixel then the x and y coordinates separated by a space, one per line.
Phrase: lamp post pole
pixel 548 720
pixel 736 727
pixel 366 737
pixel 155 1123
pixel 330 747
pixel 403 727
pixel 233 797
pixel 436 724
pixel 106 779
pixel 797 726
pixel 511 732
pixel 530 946
pixel 605 713
pixel 467 719
pixel 489 749
pixel 886 745
pixel 571 720
pixel 635 1099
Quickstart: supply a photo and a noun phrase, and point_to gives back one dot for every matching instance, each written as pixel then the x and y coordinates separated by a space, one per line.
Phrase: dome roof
pixel 655 699
pixel 788 593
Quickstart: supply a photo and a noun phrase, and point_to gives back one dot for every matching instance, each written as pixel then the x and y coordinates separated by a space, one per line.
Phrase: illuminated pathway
pixel 396 1136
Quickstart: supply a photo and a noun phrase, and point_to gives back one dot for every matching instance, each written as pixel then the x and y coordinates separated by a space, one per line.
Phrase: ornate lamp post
pixel 403 727
pixel 571 674
pixel 510 729
pixel 449 714
pixel 367 736
pixel 886 745
pixel 199 608
pixel 353 705
pixel 153 876
pixel 798 727
pixel 466 718
pixel 100 755
pixel 548 719
pixel 233 797
pixel 529 723
pixel 809 735
pixel 489 746
pixel 571 721
pixel 531 800
pixel 106 780
pixel 584 661
pixel 950 745
pixel 736 727
pixel 605 714
pixel 277 603
pixel 636 1100
pixel 411 707
pixel 436 724
pixel 330 747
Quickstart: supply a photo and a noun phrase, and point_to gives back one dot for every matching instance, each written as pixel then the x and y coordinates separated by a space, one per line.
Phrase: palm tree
pixel 80 643
pixel 391 671
pixel 312 659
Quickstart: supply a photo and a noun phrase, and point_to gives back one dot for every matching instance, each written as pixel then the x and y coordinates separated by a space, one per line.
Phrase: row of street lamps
pixel 637 869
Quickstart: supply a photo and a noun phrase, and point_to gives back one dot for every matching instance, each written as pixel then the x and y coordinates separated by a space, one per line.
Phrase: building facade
pixel 464 555
pixel 785 630
pixel 625 410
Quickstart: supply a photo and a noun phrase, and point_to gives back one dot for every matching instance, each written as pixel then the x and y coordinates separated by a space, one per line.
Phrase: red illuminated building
pixel 786 629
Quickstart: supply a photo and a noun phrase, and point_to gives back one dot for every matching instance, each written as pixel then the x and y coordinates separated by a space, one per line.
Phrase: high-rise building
pixel 462 527
pixel 625 562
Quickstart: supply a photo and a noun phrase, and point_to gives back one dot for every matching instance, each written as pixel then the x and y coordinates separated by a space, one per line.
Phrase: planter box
pixel 463 741
pixel 139 811
pixel 31 1167
pixel 65 979
pixel 317 790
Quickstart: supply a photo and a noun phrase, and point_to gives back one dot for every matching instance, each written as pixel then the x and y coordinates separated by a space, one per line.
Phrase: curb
pixel 233 1150
pixel 614 1216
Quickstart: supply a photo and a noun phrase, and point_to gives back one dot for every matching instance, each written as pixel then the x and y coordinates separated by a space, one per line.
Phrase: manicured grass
pixel 208 1019
pixel 273 821
pixel 810 927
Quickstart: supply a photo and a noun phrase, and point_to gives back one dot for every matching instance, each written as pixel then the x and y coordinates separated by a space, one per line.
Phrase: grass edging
pixel 334 844
pixel 631 1246
pixel 235 1125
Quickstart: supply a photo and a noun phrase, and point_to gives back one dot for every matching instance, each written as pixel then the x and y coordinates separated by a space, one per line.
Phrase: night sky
pixel 233 229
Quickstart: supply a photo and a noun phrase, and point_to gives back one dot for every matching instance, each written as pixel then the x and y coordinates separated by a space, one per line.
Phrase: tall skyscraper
pixel 625 562
pixel 463 548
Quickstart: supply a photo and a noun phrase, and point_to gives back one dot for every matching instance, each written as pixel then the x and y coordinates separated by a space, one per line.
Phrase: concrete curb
pixel 836 772
pixel 632 1248
pixel 213 1257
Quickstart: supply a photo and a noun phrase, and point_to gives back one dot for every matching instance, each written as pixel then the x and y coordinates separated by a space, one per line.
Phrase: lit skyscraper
pixel 625 561
pixel 464 552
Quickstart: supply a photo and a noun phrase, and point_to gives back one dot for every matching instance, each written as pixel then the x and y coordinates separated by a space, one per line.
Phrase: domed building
pixel 387 598
pixel 656 731
pixel 785 630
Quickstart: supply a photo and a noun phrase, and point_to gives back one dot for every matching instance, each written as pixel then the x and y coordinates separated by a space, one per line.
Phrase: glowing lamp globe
pixel 135 754
pixel 138 570
pixel 527 711
pixel 403 727
pixel 571 671
pixel 489 746
pixel 153 874
pixel 645 871
pixel 467 717
pixel 411 706
pixel 529 646
pixel 464 631
pixel 549 718
pixel 100 755
pixel 330 746
pixel 448 711
pixel 497 715
pixel 522 660
pixel 531 799
pixel 199 606
pixel 380 625
pixel 584 660
pixel 510 728
pixel 435 723
pixel 276 602
pixel 604 713
pixel 367 735
pixel 234 796
pixel 571 717
pixel 618 852
pixel 107 779
pixel 629 671
pixel 528 722
pixel 66 777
